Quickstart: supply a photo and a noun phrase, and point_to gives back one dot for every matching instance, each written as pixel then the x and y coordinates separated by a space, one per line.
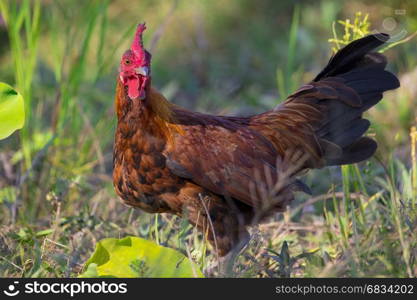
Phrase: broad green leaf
pixel 44 232
pixel 136 257
pixel 12 111
pixel 90 272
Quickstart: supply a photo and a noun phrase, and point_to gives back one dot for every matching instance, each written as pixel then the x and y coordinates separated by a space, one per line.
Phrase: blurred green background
pixel 224 57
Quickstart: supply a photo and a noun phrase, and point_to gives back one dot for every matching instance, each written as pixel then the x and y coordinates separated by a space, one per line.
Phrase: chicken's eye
pixel 128 62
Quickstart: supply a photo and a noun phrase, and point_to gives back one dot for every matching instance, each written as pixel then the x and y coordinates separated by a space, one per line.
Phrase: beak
pixel 144 71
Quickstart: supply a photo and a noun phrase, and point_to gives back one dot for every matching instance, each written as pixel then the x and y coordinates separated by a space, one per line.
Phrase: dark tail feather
pixel 347 58
pixel 358 76
pixel 357 152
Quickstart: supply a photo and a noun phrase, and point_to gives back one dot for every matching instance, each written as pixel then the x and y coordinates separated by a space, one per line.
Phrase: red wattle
pixel 133 88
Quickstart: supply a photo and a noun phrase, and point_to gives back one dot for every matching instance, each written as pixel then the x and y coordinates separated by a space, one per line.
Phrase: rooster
pixel 225 173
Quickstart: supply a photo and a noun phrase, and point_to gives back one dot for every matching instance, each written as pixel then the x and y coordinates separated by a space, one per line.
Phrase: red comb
pixel 137 45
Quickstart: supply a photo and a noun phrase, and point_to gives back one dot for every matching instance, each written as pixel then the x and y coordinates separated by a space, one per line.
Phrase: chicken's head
pixel 135 67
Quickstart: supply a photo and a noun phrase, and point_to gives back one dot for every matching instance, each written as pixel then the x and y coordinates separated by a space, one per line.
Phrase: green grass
pixel 24 49
pixel 56 193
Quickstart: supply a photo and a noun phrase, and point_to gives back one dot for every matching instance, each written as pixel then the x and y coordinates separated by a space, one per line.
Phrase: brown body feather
pixel 224 173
